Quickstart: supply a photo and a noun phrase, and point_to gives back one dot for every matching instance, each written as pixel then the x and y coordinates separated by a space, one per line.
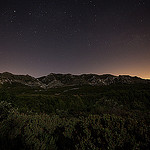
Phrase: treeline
pixel 30 131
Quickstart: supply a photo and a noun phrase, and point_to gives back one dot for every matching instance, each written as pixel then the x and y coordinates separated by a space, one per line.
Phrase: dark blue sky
pixel 38 37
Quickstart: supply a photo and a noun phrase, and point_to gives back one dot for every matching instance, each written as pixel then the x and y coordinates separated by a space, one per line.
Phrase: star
pixel 141 2
pixel 35 32
pixel 30 13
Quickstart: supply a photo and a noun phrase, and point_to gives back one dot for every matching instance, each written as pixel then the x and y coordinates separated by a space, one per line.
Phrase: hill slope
pixel 63 80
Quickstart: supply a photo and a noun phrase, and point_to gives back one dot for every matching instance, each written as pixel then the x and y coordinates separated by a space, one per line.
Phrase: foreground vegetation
pixel 75 118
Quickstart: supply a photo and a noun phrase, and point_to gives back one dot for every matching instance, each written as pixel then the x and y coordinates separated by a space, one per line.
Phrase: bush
pixel 50 132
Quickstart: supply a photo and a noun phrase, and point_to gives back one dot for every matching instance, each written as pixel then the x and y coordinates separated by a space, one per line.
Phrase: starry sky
pixel 38 37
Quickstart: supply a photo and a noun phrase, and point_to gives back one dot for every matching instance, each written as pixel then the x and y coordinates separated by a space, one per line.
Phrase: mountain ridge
pixel 61 80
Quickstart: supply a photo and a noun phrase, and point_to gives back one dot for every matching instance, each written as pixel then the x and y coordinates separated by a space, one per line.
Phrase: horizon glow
pixel 77 37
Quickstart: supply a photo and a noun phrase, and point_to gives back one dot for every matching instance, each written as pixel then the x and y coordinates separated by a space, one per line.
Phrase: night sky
pixel 38 37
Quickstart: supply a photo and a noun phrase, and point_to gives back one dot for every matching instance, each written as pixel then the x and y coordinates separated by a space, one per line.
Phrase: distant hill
pixel 62 80
pixel 10 78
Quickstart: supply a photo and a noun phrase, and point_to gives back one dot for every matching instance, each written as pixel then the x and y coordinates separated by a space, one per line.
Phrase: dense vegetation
pixel 75 118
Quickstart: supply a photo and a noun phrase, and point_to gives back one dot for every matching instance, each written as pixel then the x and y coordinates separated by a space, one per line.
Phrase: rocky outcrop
pixel 62 80
pixel 89 79
pixel 7 77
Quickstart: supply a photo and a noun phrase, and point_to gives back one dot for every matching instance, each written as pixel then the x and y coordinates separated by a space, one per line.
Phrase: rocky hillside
pixel 54 80
pixel 7 77
pixel 60 80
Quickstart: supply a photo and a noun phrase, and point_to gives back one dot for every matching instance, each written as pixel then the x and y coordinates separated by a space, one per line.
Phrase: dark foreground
pixel 75 118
